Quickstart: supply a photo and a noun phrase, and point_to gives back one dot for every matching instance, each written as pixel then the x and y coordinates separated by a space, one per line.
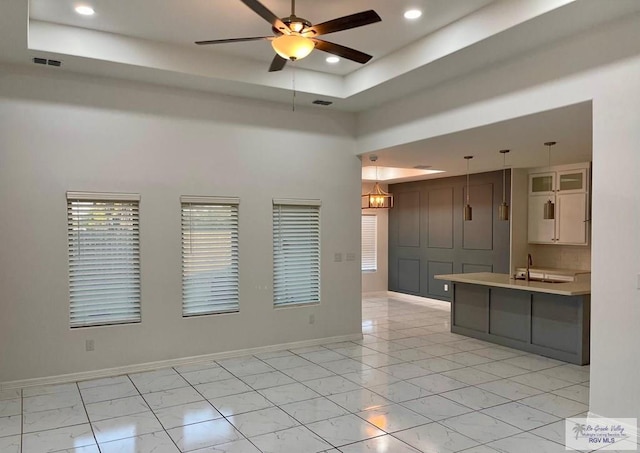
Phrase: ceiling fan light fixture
pixel 292 47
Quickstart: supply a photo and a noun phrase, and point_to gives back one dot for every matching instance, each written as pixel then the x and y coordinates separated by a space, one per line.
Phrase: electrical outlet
pixel 446 287
pixel 89 345
pixel 337 257
pixel 312 319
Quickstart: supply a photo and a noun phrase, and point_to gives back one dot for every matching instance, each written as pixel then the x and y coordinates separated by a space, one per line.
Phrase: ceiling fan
pixel 295 37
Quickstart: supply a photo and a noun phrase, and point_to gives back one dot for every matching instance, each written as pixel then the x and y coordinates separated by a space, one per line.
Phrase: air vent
pixel 56 63
pixel 422 167
pixel 322 102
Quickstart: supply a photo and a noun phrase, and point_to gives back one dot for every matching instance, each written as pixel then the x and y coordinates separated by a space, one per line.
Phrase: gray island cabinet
pixel 550 319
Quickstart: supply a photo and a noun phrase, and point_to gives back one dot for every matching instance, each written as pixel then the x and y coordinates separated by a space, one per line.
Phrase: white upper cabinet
pixel 571 219
pixel 542 183
pixel 572 181
pixel 567 187
pixel 541 231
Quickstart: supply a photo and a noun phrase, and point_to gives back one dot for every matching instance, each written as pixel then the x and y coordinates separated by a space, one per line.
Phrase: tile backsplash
pixel 561 256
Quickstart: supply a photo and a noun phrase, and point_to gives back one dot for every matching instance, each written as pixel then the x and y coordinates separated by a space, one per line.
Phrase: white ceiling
pixel 151 41
pixel 185 21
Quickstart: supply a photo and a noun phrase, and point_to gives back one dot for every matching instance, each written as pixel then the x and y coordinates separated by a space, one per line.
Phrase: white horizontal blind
pixel 209 256
pixel 104 259
pixel 369 243
pixel 296 253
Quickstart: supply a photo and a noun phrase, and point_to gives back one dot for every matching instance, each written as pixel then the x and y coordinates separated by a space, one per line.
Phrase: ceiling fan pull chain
pixel 293 77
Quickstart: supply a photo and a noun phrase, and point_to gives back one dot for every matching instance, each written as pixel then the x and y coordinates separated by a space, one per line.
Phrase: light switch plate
pixel 351 256
pixel 337 257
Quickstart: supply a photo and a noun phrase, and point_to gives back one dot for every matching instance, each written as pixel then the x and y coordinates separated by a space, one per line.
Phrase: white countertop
pixel 505 281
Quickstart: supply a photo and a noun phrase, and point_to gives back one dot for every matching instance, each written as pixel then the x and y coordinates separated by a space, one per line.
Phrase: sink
pixel 541 280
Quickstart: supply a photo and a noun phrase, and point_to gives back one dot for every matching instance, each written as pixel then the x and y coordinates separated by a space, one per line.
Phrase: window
pixel 209 255
pixel 296 252
pixel 369 243
pixel 104 258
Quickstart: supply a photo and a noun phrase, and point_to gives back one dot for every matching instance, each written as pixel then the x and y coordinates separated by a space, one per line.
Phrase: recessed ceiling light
pixel 333 60
pixel 412 14
pixel 85 10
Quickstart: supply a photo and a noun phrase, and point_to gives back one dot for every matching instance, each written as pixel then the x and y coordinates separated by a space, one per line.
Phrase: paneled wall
pixel 428 236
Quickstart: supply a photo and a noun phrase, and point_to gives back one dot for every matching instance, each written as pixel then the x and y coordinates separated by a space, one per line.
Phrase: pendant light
pixel 549 206
pixel 503 209
pixel 377 198
pixel 468 214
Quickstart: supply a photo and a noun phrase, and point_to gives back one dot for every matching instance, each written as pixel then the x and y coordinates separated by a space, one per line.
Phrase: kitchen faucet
pixel 529 264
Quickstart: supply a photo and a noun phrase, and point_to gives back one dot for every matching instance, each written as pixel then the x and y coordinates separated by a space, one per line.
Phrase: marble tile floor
pixel 408 386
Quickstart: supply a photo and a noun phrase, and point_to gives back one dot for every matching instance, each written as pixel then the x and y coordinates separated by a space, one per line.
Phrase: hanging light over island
pixel 503 209
pixel 468 211
pixel 549 206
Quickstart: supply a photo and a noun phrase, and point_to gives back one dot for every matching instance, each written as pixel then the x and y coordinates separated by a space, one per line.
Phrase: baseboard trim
pixel 150 366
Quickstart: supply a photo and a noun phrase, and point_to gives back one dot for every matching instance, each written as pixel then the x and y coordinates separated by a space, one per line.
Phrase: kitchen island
pixel 550 319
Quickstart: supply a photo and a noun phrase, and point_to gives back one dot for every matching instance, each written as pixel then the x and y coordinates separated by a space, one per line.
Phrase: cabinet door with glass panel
pixel 571 181
pixel 542 183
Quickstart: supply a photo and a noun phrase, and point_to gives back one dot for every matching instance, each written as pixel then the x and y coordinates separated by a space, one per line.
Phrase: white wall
pixel 602 66
pixel 61 132
pixel 378 280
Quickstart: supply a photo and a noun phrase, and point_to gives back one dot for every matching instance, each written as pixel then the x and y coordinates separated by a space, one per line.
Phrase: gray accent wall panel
pixel 408 209
pixel 436 287
pixel 469 268
pixel 478 233
pixel 427 225
pixel 440 218
pixel 409 275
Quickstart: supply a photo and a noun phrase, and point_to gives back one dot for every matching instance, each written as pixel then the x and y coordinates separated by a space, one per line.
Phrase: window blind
pixel 104 258
pixel 296 252
pixel 209 255
pixel 369 243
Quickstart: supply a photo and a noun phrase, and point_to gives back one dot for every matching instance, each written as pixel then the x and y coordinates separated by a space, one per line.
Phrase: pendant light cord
pixel 467 181
pixel 504 177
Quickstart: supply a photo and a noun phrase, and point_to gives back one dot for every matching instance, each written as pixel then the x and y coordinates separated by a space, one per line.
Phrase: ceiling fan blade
pixel 266 14
pixel 223 41
pixel 345 23
pixel 342 51
pixel 277 64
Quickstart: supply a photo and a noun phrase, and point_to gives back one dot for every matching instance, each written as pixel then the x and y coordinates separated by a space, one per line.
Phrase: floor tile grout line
pixel 21 419
pixel 95 439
